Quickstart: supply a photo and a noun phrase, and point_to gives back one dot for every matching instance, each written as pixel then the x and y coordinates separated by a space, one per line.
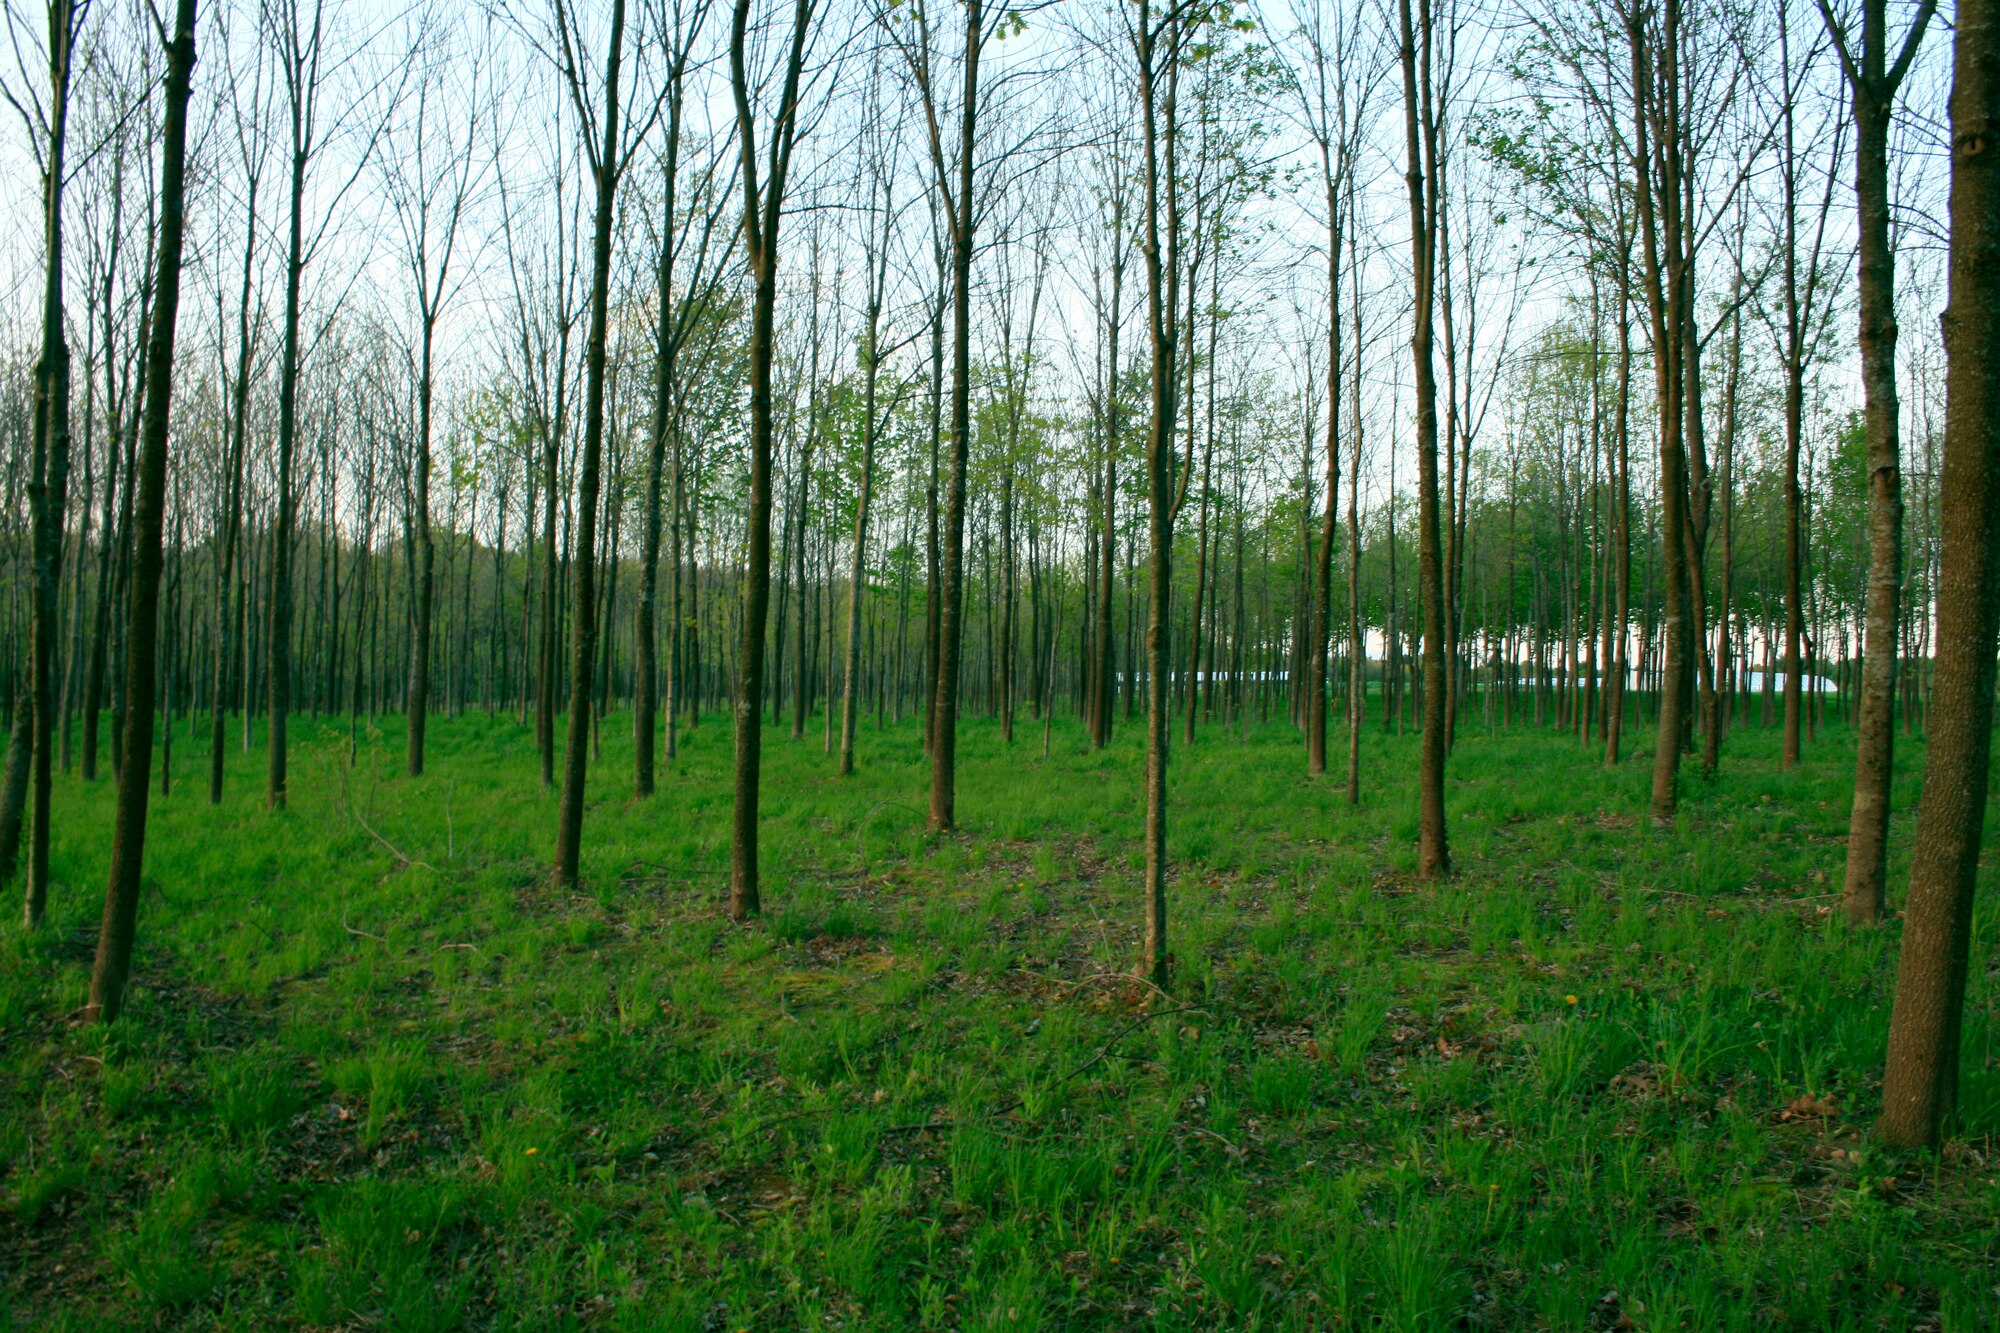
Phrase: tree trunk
pixel 49 478
pixel 226 590
pixel 951 592
pixel 418 704
pixel 1433 850
pixel 128 840
pixel 1874 89
pixel 583 612
pixel 762 211
pixel 1920 1090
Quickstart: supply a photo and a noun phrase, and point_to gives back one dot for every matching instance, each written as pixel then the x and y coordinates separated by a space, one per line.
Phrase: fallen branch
pixel 366 935
pixel 394 850
pixel 861 831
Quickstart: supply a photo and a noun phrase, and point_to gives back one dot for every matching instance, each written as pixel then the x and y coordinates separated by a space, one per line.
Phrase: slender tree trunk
pixel 1357 656
pixel 1873 88
pixel 645 665
pixel 951 596
pixel 1658 195
pixel 278 628
pixel 583 613
pixel 48 481
pixel 857 569
pixel 232 517
pixel 1621 521
pixel 762 210
pixel 1330 523
pixel 418 703
pixel 1433 851
pixel 128 839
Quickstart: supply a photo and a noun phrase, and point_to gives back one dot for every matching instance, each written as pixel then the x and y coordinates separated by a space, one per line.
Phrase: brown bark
pixel 301 72
pixel 1920 1090
pixel 1433 849
pixel 960 216
pixel 1103 663
pixel 128 839
pixel 605 170
pixel 645 665
pixel 1619 652
pixel 14 784
pixel 1872 83
pixel 425 551
pixel 1330 525
pixel 1158 49
pixel 231 537
pixel 763 204
pixel 1657 167
pixel 857 570
pixel 48 479
pixel 1357 674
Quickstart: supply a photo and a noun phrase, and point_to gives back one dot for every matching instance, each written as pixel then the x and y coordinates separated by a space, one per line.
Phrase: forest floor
pixel 375 1073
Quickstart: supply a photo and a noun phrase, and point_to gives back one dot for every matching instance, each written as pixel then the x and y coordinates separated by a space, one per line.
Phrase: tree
pixel 48 130
pixel 253 144
pixel 1161 41
pixel 1872 82
pixel 1420 135
pixel 301 47
pixel 128 838
pixel 878 168
pixel 1920 1088
pixel 1805 305
pixel 1659 169
pixel 431 182
pixel 608 153
pixel 675 321
pixel 1335 116
pixel 953 166
pixel 764 177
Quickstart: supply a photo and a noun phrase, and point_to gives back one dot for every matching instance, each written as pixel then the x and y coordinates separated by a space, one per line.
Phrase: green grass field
pixel 1605 1078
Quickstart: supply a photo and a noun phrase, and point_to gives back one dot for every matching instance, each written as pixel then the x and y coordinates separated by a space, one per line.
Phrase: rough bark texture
pixel 1873 87
pixel 951 591
pixel 278 630
pixel 1656 162
pixel 1330 523
pixel 1621 500
pixel 857 570
pixel 1433 851
pixel 583 611
pixel 763 205
pixel 423 577
pixel 1920 1090
pixel 128 839
pixel 1156 109
pixel 50 467
pixel 645 661
pixel 1357 673
pixel 14 785
pixel 226 580
pixel 645 666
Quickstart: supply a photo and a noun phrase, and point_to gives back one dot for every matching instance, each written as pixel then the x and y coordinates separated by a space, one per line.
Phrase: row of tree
pixel 916 360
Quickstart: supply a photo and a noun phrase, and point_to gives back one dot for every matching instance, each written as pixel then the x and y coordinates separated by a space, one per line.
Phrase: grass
pixel 1605 1078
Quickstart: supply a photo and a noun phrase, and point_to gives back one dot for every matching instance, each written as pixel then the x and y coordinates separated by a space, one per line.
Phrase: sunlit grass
pixel 376 1073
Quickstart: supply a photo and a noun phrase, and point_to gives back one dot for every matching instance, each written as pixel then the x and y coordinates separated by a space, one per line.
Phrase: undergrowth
pixel 375 1073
